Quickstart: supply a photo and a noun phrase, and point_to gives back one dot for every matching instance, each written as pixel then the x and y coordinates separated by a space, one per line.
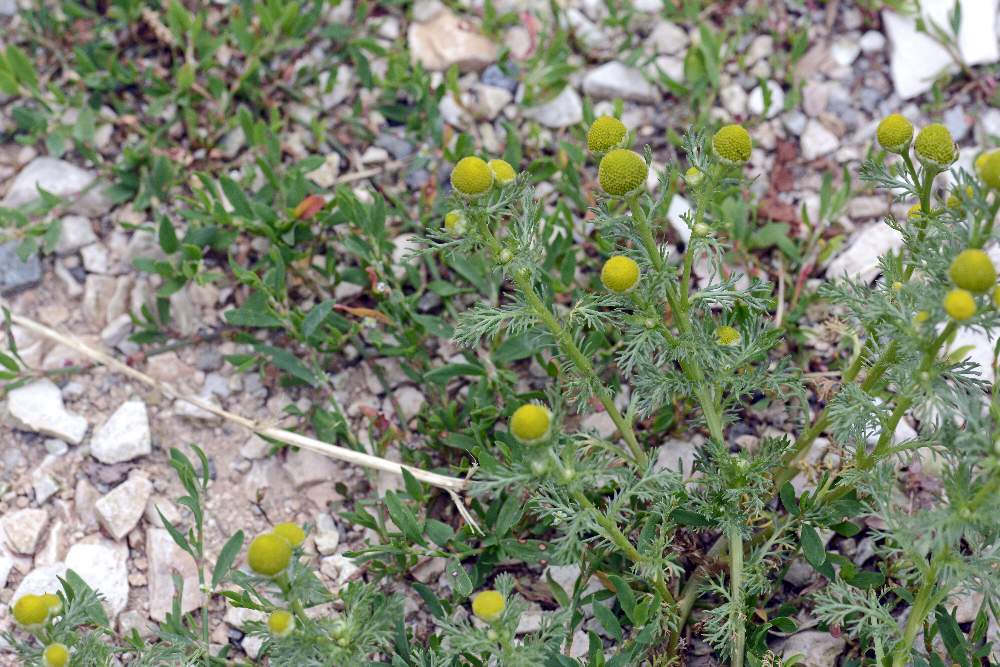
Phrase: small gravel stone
pixel 165 560
pixel 38 407
pixel 734 100
pixel 821 649
pixel 327 537
pixel 615 79
pixel 24 529
pixel 494 76
pixel 307 468
pixel 845 51
pixel 668 38
pixel 817 141
pixel 957 122
pixel 411 400
pixel 564 110
pixel 14 273
pixel 755 103
pixel 872 41
pixel 104 566
pixel 120 510
pixel 75 232
pixel 446 39
pixel 61 179
pixel 125 436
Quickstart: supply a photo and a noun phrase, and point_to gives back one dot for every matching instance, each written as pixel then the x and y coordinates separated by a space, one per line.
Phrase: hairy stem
pixel 918 613
pixel 736 595
pixel 622 542
pixel 570 348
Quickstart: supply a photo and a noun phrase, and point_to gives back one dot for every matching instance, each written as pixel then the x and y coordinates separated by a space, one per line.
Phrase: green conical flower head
pixel 472 176
pixel 990 170
pixel 973 270
pixel 732 145
pixel 934 147
pixel 895 133
pixel 622 172
pixel 605 133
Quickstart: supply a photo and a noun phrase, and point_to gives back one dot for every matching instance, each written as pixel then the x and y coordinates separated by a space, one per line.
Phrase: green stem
pixel 645 234
pixel 622 542
pixel 737 619
pixel 569 347
pixel 901 655
pixel 884 444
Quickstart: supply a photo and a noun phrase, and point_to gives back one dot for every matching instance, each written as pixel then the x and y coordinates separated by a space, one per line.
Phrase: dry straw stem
pixel 453 485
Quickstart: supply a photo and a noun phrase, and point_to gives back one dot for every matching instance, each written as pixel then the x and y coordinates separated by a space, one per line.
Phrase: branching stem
pixel 583 365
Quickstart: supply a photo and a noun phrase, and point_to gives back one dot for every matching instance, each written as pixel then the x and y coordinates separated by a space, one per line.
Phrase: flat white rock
pixel 616 79
pixel 119 510
pixel 59 178
pixel 563 110
pixel 40 581
pixel 166 559
pixel 38 407
pixel 916 59
pixel 104 566
pixel 124 436
pixel 24 529
pixel 859 259
pixel 817 141
pixel 820 649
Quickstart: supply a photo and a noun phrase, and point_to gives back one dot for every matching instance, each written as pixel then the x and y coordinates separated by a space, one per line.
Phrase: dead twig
pixel 454 486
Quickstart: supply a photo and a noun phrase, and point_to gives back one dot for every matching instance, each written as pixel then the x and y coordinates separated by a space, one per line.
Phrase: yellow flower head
pixel 934 147
pixel 472 177
pixel 955 202
pixel 530 423
pixel 55 655
pixel 973 270
pixel 996 297
pixel 455 222
pixel 620 274
pixel 53 603
pixel 726 335
pixel 732 145
pixel 622 172
pixel 503 173
pixel 895 133
pixel 915 211
pixel 990 172
pixel 488 605
pixel 959 304
pixel 269 554
pixel 607 132
pixel 31 610
pixel 694 176
pixel 292 532
pixel 921 317
pixel 281 623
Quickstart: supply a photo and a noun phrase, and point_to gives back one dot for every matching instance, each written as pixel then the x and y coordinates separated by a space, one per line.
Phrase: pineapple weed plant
pixel 646 343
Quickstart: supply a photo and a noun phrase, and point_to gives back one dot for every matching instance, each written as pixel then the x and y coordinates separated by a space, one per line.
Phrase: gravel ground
pixel 84 457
